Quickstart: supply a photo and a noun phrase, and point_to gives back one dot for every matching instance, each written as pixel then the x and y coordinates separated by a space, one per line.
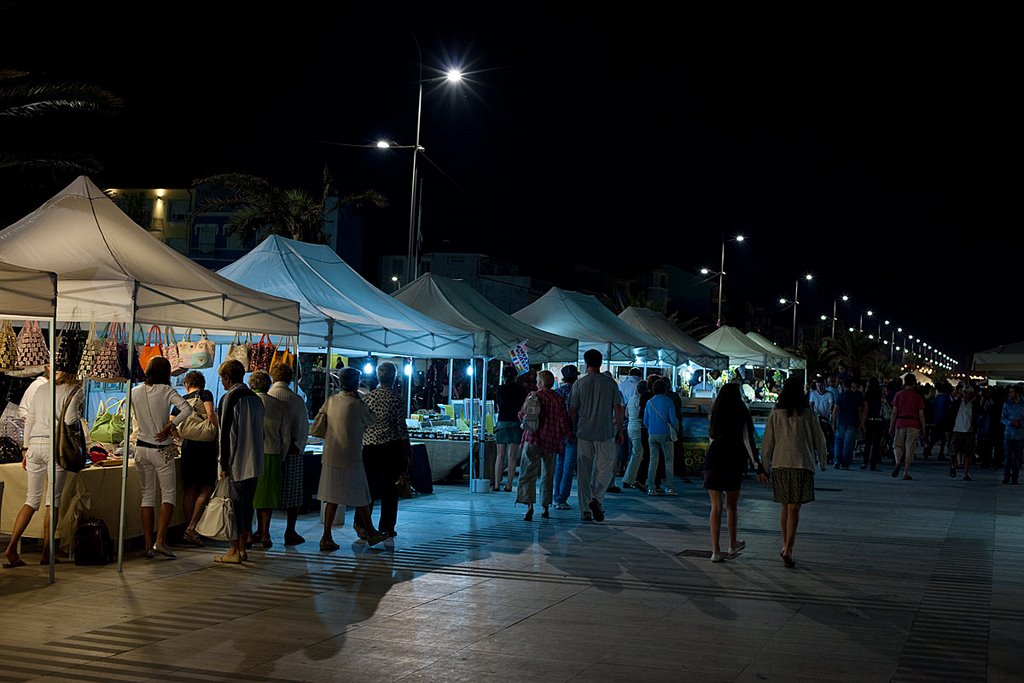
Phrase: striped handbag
pixel 91 350
pixel 8 346
pixel 110 361
pixel 32 349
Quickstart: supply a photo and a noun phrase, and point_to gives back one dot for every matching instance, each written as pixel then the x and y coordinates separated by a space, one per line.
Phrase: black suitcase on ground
pixel 92 543
pixel 419 470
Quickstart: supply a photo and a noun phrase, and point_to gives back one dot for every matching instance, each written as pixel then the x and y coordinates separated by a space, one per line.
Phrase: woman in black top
pixel 198 458
pixel 507 433
pixel 732 445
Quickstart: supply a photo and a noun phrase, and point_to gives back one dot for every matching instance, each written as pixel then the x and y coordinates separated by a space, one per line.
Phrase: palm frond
pixel 24 100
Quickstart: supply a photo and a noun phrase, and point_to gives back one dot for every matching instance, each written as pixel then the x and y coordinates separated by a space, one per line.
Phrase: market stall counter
pixel 103 484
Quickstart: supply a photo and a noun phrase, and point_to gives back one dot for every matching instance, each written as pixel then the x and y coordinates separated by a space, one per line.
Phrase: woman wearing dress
pixel 793 444
pixel 341 423
pixel 732 446
pixel 154 453
pixel 198 458
pixel 36 460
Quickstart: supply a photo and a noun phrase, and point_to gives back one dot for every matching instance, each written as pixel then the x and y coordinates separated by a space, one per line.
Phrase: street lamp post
pixel 835 303
pixel 721 275
pixel 796 300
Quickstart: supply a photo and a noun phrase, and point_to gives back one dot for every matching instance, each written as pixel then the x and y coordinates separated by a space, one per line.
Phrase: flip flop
pixel 228 559
pixel 17 563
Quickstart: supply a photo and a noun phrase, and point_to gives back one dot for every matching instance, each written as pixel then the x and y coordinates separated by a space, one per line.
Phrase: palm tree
pixel 27 99
pixel 855 351
pixel 258 208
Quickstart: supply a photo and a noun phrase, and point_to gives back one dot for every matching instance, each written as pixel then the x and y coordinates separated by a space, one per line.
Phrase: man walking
pixel 565 463
pixel 851 414
pixel 824 407
pixel 596 415
pixel 907 425
pixel 967 414
pixel 1013 420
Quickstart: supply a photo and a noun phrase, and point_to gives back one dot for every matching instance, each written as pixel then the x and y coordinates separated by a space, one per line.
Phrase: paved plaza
pixel 895 581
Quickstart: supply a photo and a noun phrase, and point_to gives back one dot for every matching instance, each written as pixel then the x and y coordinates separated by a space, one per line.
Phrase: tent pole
pixel 327 361
pixel 127 428
pixel 483 413
pixel 472 381
pixel 451 377
pixel 53 446
pixel 408 381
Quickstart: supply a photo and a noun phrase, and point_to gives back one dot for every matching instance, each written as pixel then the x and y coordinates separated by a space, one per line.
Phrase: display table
pixel 446 455
pixel 103 484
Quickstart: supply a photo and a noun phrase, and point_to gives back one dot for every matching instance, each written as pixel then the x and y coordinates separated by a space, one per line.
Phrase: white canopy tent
pixel 339 308
pixel 788 360
pixel 495 332
pixel 1002 362
pixel 110 269
pixel 657 326
pixel 32 294
pixel 583 317
pixel 740 349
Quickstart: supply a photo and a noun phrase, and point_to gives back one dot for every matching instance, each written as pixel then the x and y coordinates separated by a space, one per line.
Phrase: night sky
pixel 871 151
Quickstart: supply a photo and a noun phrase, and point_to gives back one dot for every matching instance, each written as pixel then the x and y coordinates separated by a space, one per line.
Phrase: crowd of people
pixel 589 427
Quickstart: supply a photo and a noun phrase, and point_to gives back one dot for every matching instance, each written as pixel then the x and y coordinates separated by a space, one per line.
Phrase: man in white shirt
pixel 824 405
pixel 968 412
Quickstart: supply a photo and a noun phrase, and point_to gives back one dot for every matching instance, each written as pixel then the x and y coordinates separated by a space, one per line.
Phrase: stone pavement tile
pixel 772 666
pixel 292 671
pixel 509 666
pixel 1006 657
pixel 638 672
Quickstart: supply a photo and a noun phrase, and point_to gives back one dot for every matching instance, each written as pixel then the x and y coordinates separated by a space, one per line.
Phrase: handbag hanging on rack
pixel 70 346
pixel 262 354
pixel 32 350
pixel 110 363
pixel 284 353
pixel 8 346
pixel 240 350
pixel 196 354
pixel 150 350
pixel 171 352
pixel 93 344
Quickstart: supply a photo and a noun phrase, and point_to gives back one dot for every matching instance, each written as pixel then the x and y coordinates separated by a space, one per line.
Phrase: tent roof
pixel 656 325
pixel 494 332
pixel 739 347
pixel 26 293
pixel 790 360
pixel 101 257
pixel 338 303
pixel 583 317
pixel 1002 361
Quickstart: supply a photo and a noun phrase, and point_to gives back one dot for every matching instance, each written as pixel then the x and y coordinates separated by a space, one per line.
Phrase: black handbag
pixel 10 451
pixel 70 345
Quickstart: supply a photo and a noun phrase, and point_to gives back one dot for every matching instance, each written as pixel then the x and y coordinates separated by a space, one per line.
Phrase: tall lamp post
pixel 835 303
pixel 796 300
pixel 721 274
pixel 412 266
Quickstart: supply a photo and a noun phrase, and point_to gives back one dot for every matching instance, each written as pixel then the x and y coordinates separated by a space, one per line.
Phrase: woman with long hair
pixel 154 450
pixel 793 444
pixel 732 446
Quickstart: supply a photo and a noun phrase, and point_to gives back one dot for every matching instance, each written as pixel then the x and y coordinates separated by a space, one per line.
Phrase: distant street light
pixel 835 303
pixel 796 300
pixel 721 274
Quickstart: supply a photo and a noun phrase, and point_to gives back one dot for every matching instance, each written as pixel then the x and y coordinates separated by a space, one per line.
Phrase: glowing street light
pixel 721 274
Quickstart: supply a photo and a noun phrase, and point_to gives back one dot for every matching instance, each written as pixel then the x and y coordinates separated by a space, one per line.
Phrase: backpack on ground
pixel 531 413
pixel 92 543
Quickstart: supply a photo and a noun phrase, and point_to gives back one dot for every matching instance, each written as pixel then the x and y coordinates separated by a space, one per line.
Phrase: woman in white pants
pixel 36 461
pixel 154 450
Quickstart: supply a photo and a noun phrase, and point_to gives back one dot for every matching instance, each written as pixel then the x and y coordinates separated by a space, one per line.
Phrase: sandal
pixel 228 558
pixel 14 563
pixel 507 489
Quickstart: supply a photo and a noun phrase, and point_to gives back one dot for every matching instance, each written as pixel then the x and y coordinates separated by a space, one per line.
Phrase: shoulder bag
pixel 197 426
pixel 150 350
pixel 195 355
pixel 109 366
pixel 673 432
pixel 91 350
pixel 71 453
pixel 284 354
pixel 262 354
pixel 8 346
pixel 70 345
pixel 108 427
pixel 240 349
pixel 218 520
pixel 32 350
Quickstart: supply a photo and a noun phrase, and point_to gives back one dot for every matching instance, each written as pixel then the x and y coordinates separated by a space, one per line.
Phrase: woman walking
pixel 541 447
pixel 507 433
pixel 155 450
pixel 793 444
pixel 341 423
pixel 732 445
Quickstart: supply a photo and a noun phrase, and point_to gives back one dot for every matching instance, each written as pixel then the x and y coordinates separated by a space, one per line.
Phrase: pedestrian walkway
pixel 895 581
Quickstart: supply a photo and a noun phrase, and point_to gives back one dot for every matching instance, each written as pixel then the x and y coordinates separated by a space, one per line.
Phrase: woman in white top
pixel 36 461
pixel 154 451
